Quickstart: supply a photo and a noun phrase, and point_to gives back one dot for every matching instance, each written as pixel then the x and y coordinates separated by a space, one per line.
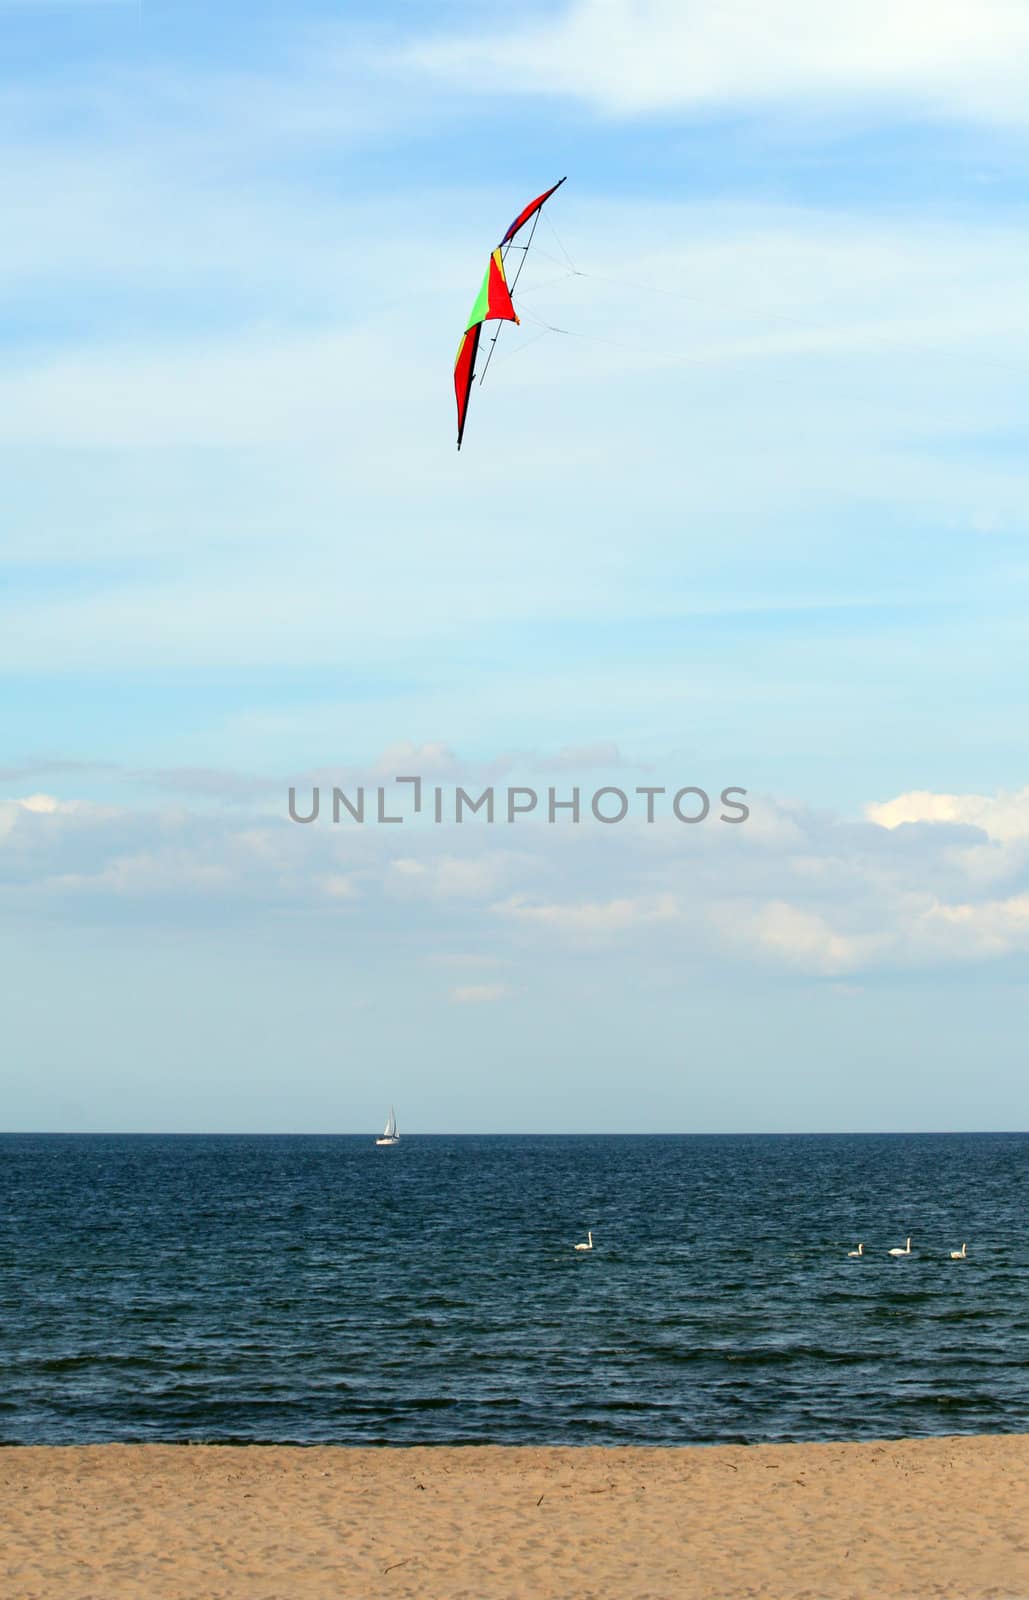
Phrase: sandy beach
pixel 946 1516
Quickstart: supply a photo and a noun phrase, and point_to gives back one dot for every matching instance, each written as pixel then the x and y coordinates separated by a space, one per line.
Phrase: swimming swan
pixel 897 1251
pixel 586 1246
pixel 959 1255
pixel 858 1252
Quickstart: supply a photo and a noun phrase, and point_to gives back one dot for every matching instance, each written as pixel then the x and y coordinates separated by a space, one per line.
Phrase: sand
pixel 910 1518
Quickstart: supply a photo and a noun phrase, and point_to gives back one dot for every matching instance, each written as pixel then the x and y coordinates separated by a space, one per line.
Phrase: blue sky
pixel 758 516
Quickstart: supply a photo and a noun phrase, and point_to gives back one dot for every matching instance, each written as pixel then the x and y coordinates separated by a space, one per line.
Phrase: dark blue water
pixel 320 1289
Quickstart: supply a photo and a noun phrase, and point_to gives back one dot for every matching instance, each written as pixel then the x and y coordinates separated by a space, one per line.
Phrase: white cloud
pixel 989 928
pixel 46 804
pixel 450 877
pixel 337 886
pixel 605 755
pixel 803 892
pixel 1001 821
pixel 591 919
pixel 13 812
pixel 799 938
pixel 169 872
pixel 431 760
pixel 960 58
pixel 472 994
pixel 1003 816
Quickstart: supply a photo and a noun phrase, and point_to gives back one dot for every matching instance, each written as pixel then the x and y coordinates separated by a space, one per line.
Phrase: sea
pixel 321 1290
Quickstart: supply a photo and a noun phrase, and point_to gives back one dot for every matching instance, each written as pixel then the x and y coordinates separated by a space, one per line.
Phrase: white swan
pixel 586 1246
pixel 959 1255
pixel 858 1252
pixel 897 1251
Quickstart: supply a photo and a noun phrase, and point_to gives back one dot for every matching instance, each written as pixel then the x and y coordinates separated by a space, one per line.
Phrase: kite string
pixel 805 324
pixel 628 283
pixel 548 283
pixel 677 294
pixel 560 246
pixel 592 338
pixel 669 294
pixel 523 346
pixel 576 272
pixel 571 333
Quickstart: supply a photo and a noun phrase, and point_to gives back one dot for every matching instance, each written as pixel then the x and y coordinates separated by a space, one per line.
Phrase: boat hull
pixel 389 1141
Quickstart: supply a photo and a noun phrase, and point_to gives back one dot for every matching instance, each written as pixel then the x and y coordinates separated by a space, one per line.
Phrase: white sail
pixel 390 1134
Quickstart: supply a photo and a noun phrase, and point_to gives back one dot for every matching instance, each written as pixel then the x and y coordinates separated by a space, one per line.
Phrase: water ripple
pixel 311 1290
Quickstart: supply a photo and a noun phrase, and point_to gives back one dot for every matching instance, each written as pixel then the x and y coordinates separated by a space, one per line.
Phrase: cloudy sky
pixel 742 502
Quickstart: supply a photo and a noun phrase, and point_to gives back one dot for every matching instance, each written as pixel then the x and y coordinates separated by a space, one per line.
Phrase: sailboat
pixel 389 1133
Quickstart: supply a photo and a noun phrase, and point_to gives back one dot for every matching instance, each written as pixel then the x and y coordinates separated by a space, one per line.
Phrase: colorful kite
pixel 492 305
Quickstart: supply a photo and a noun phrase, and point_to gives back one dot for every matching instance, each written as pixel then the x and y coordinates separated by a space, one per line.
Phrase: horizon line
pixel 599 1133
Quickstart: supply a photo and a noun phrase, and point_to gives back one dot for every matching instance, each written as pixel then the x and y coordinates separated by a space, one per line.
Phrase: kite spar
pixel 493 304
